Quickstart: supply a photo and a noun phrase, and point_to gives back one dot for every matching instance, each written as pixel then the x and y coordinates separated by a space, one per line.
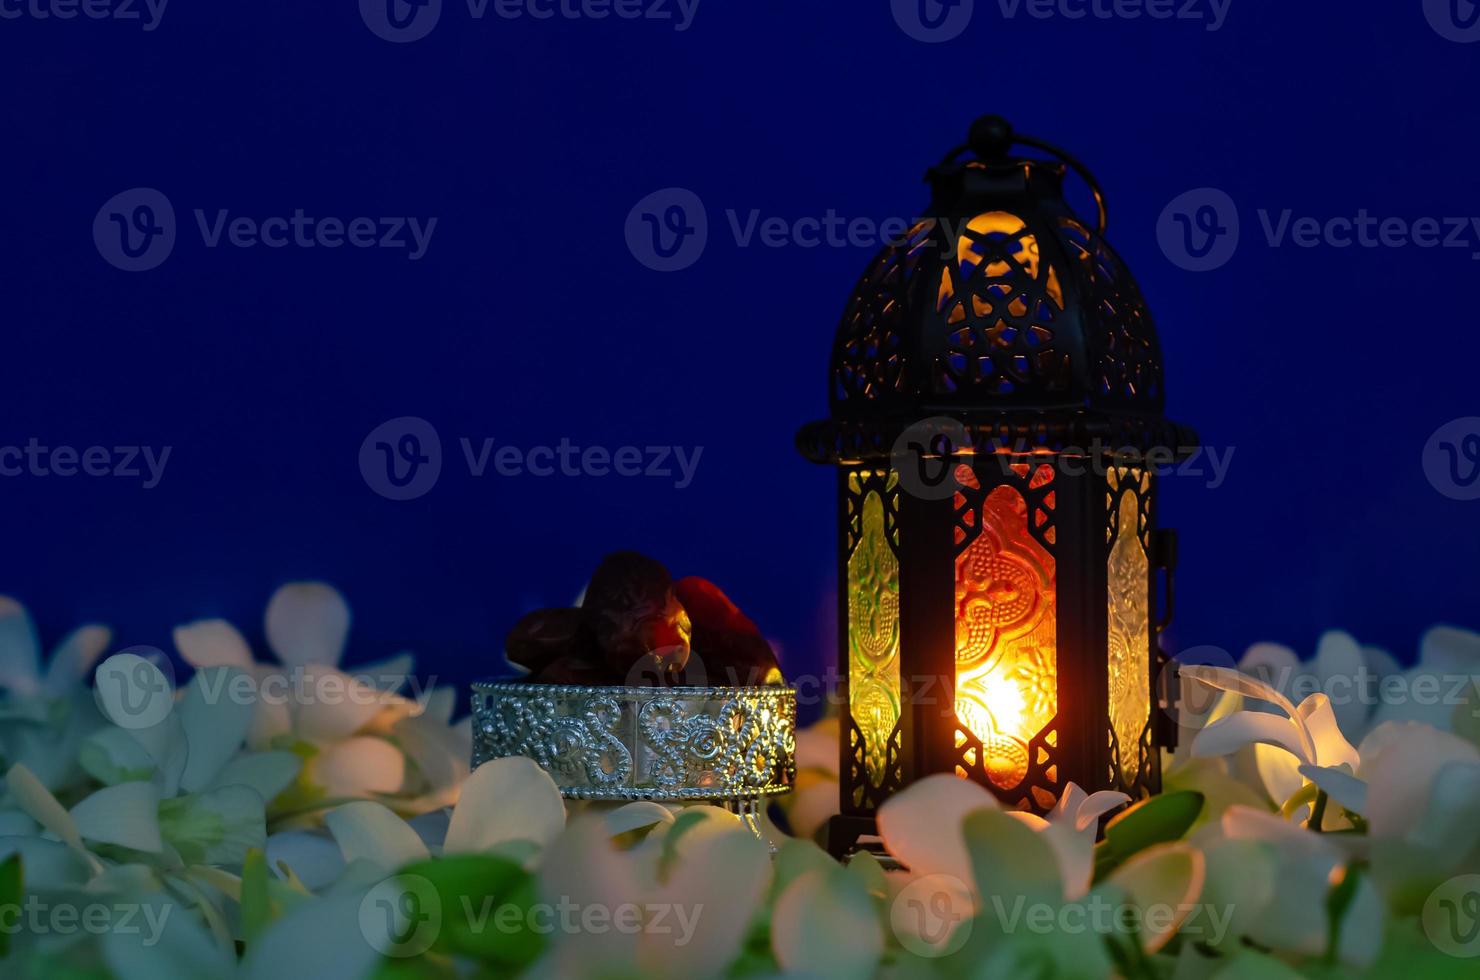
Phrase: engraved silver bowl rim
pixel 784 693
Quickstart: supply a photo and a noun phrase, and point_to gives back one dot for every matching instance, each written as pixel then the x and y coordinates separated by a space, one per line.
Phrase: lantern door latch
pixel 1168 681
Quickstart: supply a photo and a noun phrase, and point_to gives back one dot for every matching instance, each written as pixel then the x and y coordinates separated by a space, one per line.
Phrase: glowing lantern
pixel 996 395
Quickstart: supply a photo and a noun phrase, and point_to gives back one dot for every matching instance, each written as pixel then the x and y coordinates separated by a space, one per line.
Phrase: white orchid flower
pixel 1443 689
pixel 1275 880
pixel 1303 747
pixel 1352 676
pixel 1422 790
pixel 45 713
pixel 177 796
pixel 988 865
pixel 359 736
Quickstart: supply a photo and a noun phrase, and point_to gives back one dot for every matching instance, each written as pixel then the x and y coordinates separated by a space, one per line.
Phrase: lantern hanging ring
pixel 992 137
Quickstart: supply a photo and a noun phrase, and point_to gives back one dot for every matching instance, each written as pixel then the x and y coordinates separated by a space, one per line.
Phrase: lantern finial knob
pixel 991 137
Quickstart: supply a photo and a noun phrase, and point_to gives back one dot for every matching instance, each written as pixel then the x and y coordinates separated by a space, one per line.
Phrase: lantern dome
pixel 1000 308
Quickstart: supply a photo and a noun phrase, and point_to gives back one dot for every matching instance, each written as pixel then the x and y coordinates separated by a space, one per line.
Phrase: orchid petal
pixel 825 924
pixel 714 895
pixel 504 800
pixel 1340 785
pixel 1096 805
pixel 269 773
pixel 1272 663
pixel 1169 876
pixel 1317 718
pixel 1450 650
pixel 921 825
pixel 331 704
pixel 307 623
pixel 322 939
pixel 1342 668
pixel 126 815
pixel 359 767
pixel 212 643
pixel 36 800
pixel 1279 772
pixel 582 867
pixel 49 865
pixel 1405 761
pixel 218 826
pixel 1225 679
pixel 111 755
pixel 1009 860
pixel 369 831
pixel 1241 877
pixel 1233 733
pixel 74 658
pixel 215 721
pixel 314 857
pixel 636 816
pixel 20 651
pixel 165 947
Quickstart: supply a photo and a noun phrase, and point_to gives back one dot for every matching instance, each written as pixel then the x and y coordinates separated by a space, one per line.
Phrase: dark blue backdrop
pixel 528 319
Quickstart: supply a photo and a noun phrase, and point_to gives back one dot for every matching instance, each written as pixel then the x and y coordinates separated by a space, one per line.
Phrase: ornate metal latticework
pixel 999 621
pixel 673 745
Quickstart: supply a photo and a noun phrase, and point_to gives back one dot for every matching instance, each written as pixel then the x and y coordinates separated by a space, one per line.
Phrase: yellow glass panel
pixel 1006 634
pixel 1130 635
pixel 873 638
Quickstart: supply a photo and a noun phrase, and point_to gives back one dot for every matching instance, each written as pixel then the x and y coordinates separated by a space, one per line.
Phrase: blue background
pixel 529 319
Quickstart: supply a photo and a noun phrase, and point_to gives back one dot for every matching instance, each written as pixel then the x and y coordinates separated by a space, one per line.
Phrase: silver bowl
pixel 670 745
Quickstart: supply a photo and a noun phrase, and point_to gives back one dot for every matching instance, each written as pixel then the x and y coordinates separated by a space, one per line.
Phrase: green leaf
pixel 485 902
pixel 255 905
pixel 793 859
pixel 1154 821
pixel 12 887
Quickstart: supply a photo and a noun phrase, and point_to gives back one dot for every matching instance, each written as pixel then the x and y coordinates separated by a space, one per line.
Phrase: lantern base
pixel 847 835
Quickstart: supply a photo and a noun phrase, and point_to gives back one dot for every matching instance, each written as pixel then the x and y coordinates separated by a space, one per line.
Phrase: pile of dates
pixel 637 627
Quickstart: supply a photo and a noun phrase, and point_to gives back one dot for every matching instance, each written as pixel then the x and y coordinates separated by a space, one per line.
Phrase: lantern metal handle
pixel 992 137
